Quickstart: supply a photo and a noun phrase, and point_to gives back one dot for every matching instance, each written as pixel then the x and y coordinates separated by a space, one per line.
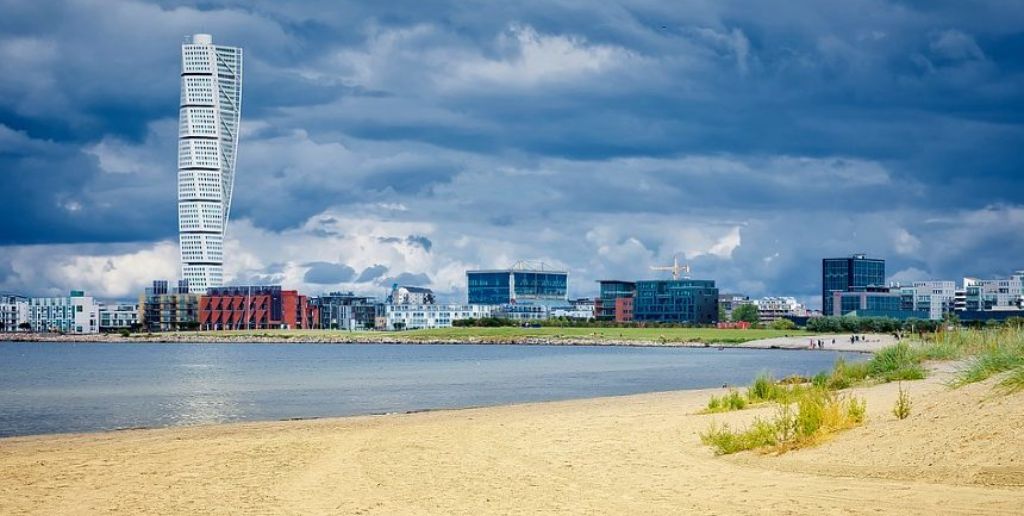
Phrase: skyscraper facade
pixel 850 274
pixel 211 94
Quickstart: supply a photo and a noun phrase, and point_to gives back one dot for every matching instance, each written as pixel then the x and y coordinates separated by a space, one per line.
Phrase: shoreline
pixel 871 345
pixel 637 454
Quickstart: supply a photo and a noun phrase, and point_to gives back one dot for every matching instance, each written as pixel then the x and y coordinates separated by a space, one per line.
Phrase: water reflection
pixel 46 388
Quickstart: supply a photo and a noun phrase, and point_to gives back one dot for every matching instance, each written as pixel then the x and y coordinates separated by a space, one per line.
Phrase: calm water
pixel 49 388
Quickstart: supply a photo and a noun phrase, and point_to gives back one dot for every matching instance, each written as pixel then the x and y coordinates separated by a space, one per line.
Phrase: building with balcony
pixel 165 308
pixel 936 298
pixel 73 314
pixel 608 305
pixel 256 307
pixel 406 295
pixel 119 316
pixel 346 311
pixel 773 308
pixel 13 313
pixel 413 317
pixel 981 295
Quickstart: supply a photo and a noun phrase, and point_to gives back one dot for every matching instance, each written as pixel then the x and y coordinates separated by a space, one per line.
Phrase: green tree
pixel 746 313
pixel 783 324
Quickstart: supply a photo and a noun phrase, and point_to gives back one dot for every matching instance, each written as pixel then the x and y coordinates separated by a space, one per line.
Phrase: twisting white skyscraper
pixel 211 94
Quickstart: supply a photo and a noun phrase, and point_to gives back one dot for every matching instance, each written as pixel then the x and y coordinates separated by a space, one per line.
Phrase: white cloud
pixel 530 58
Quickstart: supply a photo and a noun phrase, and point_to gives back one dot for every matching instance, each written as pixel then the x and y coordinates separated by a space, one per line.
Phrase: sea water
pixel 83 387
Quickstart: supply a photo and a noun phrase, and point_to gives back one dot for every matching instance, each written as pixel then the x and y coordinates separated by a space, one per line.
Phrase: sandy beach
pixel 959 452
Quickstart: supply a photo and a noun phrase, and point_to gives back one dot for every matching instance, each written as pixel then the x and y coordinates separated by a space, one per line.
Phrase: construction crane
pixel 675 268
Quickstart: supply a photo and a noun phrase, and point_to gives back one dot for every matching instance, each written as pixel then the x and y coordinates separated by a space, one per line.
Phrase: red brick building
pixel 623 309
pixel 255 308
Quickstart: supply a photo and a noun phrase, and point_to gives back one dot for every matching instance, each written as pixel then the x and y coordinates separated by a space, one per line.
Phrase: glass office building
pixel 677 301
pixel 610 291
pixel 498 287
pixel 851 274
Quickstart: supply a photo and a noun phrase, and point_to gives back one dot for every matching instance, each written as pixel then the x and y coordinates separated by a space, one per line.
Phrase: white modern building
pixel 412 317
pixel 403 295
pixel 211 95
pixel 772 308
pixel 524 312
pixel 121 316
pixel 13 312
pixel 76 313
pixel 936 297
pixel 994 294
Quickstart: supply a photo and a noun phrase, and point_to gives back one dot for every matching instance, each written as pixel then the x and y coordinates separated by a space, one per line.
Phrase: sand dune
pixel 960 452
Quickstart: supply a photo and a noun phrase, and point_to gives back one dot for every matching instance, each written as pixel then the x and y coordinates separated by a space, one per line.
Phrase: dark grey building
pixel 680 301
pixel 855 273
pixel 347 311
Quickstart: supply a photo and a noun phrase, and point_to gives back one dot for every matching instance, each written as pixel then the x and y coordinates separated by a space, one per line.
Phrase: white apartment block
pixel 994 294
pixel 411 317
pixel 210 112
pixel 118 316
pixel 13 312
pixel 76 314
pixel 772 308
pixel 935 297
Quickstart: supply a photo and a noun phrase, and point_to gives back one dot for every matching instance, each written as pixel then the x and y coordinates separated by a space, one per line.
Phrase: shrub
pixel 783 324
pixel 727 402
pixel 820 380
pixel 902 408
pixel 125 332
pixel 818 413
pixel 764 388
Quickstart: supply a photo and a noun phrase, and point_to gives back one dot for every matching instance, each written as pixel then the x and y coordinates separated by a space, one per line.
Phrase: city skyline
pixel 390 144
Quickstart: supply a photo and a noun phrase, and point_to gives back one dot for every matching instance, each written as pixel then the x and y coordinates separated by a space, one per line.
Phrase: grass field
pixel 706 335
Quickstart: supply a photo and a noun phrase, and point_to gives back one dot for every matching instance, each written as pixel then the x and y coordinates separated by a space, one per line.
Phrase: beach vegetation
pixel 990 352
pixel 902 407
pixel 1014 381
pixel 732 400
pixel 746 313
pixel 814 415
pixel 782 324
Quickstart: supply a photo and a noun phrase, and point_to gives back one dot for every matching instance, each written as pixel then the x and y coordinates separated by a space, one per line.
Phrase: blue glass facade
pixel 511 286
pixel 682 301
pixel 852 274
pixel 610 291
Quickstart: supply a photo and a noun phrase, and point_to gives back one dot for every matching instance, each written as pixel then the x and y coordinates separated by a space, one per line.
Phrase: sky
pixel 409 141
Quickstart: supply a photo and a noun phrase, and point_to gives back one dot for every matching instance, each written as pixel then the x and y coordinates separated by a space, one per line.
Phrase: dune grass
pixel 1014 382
pixel 733 400
pixel 764 389
pixel 811 417
pixel 989 352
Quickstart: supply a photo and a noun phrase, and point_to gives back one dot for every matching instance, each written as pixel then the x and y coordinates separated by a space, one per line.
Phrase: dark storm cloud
pixel 325 273
pixel 849 124
pixel 407 279
pixel 371 273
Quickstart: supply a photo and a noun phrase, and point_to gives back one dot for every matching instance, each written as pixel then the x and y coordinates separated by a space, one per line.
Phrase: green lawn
pixel 708 335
